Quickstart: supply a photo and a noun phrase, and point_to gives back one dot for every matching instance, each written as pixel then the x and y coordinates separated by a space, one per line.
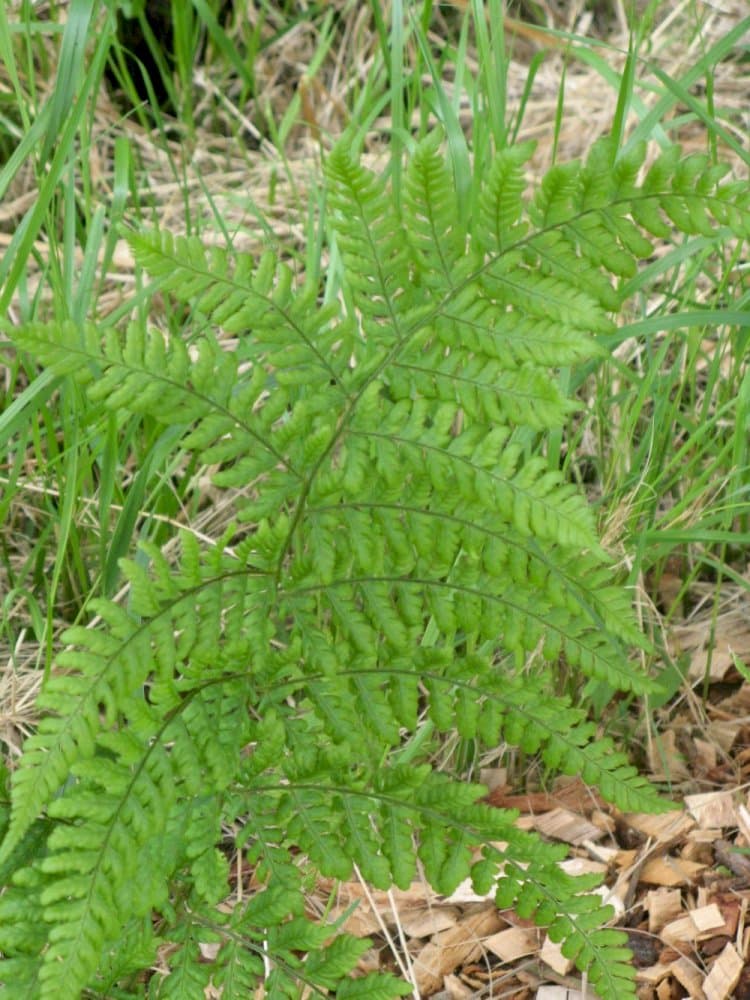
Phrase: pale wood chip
pixel 601 852
pixel 664 828
pixel 551 953
pixel 680 931
pixel 562 824
pixel 583 866
pixel 563 993
pixel 698 925
pixel 389 908
pixel 712 809
pixel 464 893
pixel 653 974
pixel 494 777
pixel 514 943
pixel 743 821
pixel 452 948
pixel 722 978
pixel 664 906
pixel 707 918
pixel 689 976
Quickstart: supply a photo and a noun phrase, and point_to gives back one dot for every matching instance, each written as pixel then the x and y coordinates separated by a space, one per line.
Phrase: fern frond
pixel 404 551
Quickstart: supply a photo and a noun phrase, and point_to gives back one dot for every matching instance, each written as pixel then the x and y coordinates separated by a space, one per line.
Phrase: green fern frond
pixel 403 552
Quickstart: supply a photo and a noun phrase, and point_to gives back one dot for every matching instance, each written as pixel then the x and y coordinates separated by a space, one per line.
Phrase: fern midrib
pixel 507 815
pixel 436 373
pixel 182 387
pixel 293 972
pixel 109 661
pixel 529 612
pixel 506 538
pixel 510 483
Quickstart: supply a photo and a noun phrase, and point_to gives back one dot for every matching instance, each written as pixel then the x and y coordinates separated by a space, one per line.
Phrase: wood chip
pixel 425 923
pixel 712 809
pixel 664 906
pixel 722 978
pixel 551 953
pixel 698 925
pixel 689 976
pixel 561 824
pixel 452 948
pixel 680 931
pixel 670 871
pixel 653 974
pixel 583 866
pixel 601 852
pixel 664 990
pixel 562 993
pixel 494 777
pixel 664 828
pixel 743 821
pixel 699 845
pixel 707 919
pixel 513 943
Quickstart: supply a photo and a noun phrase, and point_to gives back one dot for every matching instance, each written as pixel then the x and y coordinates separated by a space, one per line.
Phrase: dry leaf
pixel 425 923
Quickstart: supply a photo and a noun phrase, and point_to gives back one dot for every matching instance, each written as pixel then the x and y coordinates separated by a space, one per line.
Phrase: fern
pixel 397 548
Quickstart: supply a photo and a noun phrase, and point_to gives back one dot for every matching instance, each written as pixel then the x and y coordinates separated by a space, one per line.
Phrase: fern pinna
pixel 402 555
